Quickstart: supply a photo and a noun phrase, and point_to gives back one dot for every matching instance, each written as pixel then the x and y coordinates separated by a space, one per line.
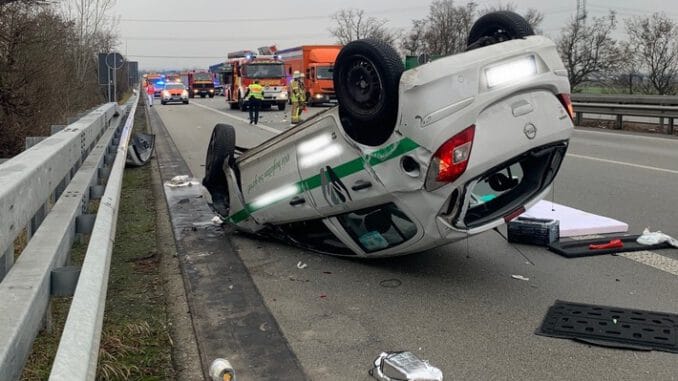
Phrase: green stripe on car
pixel 379 156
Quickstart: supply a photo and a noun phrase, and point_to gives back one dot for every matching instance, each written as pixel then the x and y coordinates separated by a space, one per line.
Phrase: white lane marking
pixel 675 172
pixel 259 125
pixel 651 259
pixel 628 136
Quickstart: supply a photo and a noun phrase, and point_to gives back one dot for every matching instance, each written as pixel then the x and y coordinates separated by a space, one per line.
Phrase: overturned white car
pixel 408 160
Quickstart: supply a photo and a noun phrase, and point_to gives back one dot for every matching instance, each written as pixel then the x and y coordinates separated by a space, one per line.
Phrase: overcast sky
pixel 176 34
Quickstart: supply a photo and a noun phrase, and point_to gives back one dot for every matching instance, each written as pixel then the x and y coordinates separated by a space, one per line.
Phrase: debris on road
pixel 391 366
pixel 301 265
pixel 655 238
pixel 221 370
pixel 615 327
pixel 520 277
pixel 575 222
pixel 610 244
pixel 533 231
pixel 181 181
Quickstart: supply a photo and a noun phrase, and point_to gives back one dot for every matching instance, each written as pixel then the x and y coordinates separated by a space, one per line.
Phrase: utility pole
pixel 581 11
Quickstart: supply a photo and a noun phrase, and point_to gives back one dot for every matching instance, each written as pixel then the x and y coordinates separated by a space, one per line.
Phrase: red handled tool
pixel 613 244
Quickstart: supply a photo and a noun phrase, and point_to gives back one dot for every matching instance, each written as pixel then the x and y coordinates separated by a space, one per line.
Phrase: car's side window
pixel 378 228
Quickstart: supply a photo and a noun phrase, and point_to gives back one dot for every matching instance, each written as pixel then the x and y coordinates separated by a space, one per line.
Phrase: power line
pixel 224 39
pixel 266 19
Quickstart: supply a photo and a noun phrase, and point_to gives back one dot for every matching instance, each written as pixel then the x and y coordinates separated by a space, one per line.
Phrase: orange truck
pixel 316 62
pixel 245 67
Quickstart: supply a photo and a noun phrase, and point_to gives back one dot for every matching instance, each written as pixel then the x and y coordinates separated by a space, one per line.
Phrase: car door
pixel 334 174
pixel 271 186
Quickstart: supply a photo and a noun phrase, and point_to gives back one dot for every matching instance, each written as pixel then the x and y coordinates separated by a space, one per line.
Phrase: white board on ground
pixel 574 222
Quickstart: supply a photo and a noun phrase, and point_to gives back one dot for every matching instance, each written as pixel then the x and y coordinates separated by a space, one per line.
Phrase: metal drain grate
pixel 612 326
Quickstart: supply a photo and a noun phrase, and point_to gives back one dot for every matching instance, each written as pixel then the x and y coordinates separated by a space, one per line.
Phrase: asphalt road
pixel 458 306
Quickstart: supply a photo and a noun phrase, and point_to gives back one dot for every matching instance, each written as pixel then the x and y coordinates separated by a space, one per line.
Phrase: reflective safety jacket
pixel 255 91
pixel 296 92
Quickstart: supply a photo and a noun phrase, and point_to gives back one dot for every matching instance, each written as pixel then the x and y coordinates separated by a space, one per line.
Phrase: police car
pixel 408 160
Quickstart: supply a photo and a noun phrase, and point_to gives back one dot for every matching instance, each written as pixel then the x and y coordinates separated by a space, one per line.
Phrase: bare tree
pixel 588 50
pixel 444 31
pixel 92 20
pixel 653 43
pixel 531 15
pixel 413 42
pixel 37 65
pixel 354 24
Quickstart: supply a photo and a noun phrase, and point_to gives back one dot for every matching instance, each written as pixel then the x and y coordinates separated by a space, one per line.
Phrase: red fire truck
pixel 246 67
pixel 200 83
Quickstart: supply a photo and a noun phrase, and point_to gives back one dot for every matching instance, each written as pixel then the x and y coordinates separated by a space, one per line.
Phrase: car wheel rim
pixel 363 83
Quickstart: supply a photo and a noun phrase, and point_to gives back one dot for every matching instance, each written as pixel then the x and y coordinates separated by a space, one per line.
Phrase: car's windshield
pixel 268 70
pixel 174 86
pixel 324 72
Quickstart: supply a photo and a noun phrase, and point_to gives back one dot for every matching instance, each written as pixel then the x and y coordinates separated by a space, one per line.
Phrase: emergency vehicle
pixel 158 82
pixel 245 68
pixel 316 62
pixel 200 83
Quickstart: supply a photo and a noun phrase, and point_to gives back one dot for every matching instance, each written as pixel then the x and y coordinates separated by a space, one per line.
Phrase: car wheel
pixel 221 148
pixel 211 95
pixel 186 102
pixel 281 106
pixel 496 27
pixel 366 78
pixel 163 102
pixel 232 105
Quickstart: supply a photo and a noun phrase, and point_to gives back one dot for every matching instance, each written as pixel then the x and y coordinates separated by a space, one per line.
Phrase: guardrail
pixel 653 106
pixel 46 189
pixel 76 358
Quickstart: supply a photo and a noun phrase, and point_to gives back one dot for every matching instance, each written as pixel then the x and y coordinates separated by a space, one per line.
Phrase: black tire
pixel 497 27
pixel 221 148
pixel 282 105
pixel 185 102
pixel 163 103
pixel 211 95
pixel 232 105
pixel 366 78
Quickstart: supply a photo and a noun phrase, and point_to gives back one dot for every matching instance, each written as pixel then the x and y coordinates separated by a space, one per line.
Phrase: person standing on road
pixel 150 92
pixel 297 97
pixel 254 96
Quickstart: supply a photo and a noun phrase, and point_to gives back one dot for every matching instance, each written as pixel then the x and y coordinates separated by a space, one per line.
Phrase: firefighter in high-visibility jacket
pixel 254 96
pixel 297 96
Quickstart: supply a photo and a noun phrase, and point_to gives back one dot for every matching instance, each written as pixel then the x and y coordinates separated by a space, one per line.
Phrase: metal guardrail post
pixel 78 352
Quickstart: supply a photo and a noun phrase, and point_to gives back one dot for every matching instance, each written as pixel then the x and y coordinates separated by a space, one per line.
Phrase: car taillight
pixel 451 159
pixel 567 103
